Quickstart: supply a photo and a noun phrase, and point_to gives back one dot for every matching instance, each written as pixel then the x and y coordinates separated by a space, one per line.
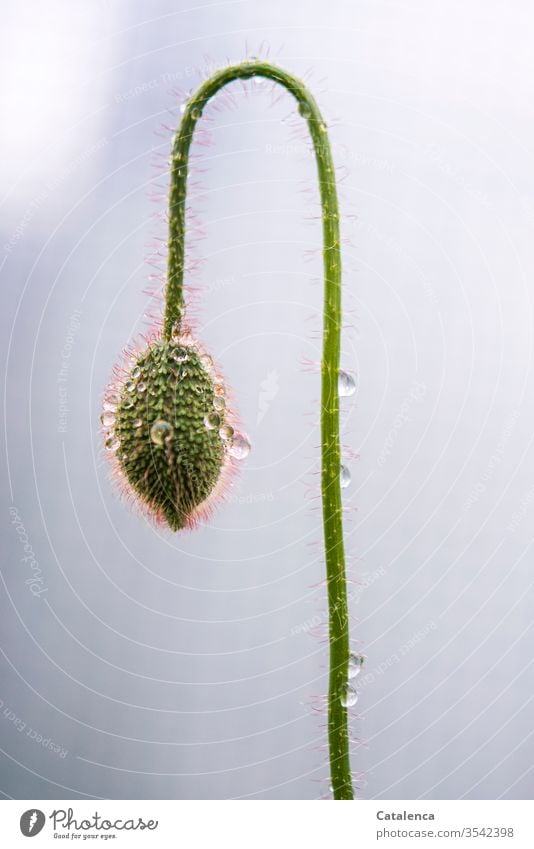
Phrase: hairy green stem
pixel 330 467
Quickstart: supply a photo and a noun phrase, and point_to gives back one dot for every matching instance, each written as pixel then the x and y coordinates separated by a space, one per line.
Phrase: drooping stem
pixel 330 448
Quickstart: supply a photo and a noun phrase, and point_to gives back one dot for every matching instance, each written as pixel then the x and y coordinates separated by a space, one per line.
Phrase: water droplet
pixel 196 113
pixel 130 386
pixel 218 389
pixel 206 361
pixel 219 403
pixel 112 443
pixel 127 403
pixel 212 420
pixel 304 109
pixel 138 423
pixel 141 387
pixel 160 432
pixel 239 447
pixel 179 355
pixel 344 477
pixel 346 384
pixel 111 402
pixel 186 338
pixel 355 665
pixel 348 697
pixel 226 432
pixel 107 418
pixel 136 372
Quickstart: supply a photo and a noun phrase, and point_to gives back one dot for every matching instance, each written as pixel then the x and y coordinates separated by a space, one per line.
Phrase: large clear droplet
pixel 344 477
pixel 206 361
pixel 239 447
pixel 107 418
pixel 112 443
pixel 355 665
pixel 179 356
pixel 348 697
pixel 186 338
pixel 111 402
pixel 219 403
pixel 136 372
pixel 226 432
pixel 346 384
pixel 130 386
pixel 141 387
pixel 304 109
pixel 160 432
pixel 212 421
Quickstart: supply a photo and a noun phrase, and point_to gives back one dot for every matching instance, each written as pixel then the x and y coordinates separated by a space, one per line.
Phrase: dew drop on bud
pixel 239 447
pixel 111 403
pixel 304 109
pixel 160 432
pixel 130 386
pixel 346 384
pixel 344 477
pixel 219 403
pixel 107 418
pixel 355 665
pixel 112 443
pixel 348 697
pixel 141 387
pixel 212 421
pixel 136 372
pixel 226 432
pixel 186 338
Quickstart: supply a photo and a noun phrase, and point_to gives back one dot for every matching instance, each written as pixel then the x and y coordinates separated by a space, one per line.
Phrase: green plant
pixel 172 438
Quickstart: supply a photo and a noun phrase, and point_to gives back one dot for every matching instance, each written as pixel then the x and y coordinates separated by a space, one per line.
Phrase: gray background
pixel 194 666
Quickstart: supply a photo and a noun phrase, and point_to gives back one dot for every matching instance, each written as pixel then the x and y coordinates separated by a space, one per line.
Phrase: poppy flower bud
pixel 166 423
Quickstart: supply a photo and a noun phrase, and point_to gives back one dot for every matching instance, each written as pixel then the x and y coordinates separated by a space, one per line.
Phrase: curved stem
pixel 330 465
